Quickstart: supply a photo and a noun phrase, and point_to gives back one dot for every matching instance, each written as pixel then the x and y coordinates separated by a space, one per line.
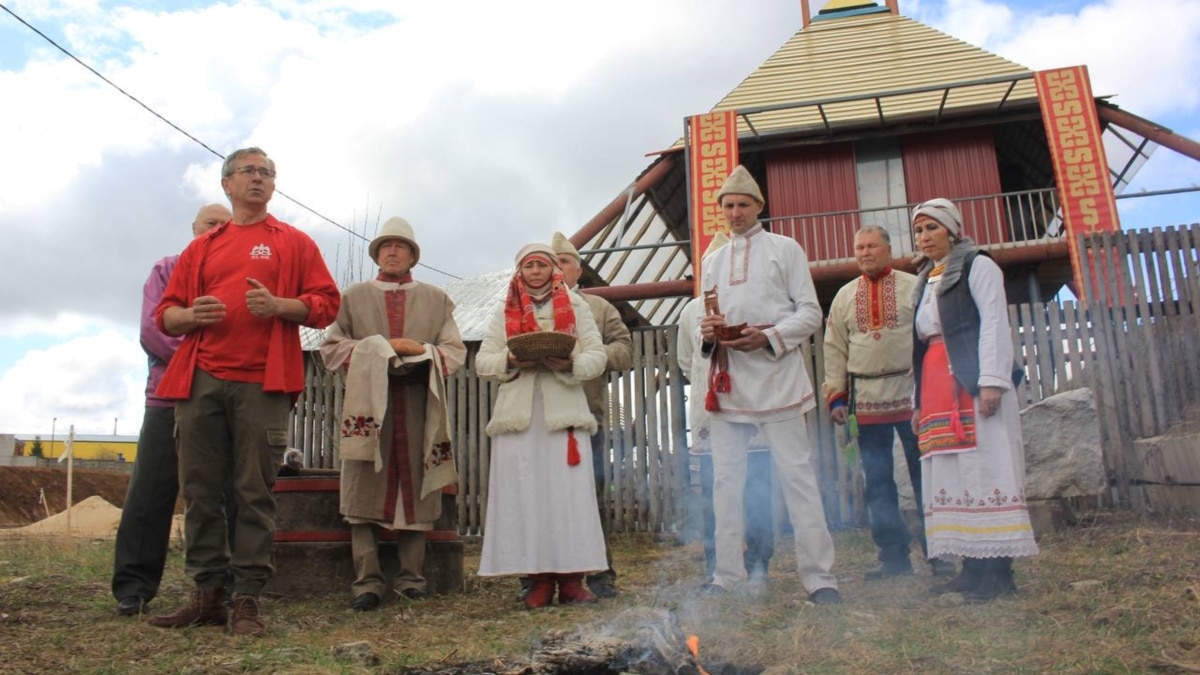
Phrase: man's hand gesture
pixel 259 300
pixel 207 310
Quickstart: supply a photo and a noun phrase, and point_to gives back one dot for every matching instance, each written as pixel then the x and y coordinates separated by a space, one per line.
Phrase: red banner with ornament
pixel 1073 132
pixel 713 154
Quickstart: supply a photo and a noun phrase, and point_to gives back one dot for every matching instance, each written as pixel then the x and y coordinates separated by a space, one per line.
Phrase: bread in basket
pixel 540 344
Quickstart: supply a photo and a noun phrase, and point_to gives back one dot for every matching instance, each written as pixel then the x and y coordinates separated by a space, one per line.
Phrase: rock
pixel 1170 468
pixel 950 600
pixel 356 652
pixel 1063 457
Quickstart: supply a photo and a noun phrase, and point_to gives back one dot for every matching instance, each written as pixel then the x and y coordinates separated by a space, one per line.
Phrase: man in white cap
pixel 412 324
pixel 618 345
pixel 760 521
pixel 762 280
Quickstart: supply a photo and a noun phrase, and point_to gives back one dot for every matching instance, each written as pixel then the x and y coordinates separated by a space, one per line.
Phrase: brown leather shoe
pixel 206 608
pixel 246 619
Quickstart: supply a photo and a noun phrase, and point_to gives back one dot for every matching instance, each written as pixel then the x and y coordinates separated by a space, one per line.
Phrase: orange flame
pixel 693 645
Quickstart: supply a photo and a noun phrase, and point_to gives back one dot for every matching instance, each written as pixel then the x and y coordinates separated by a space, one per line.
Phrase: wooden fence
pixel 1137 353
pixel 1144 291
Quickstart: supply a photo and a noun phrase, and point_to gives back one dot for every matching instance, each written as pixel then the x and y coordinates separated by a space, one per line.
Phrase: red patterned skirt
pixel 947 423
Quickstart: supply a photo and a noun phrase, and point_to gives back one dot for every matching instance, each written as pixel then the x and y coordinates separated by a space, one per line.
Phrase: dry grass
pixel 1139 613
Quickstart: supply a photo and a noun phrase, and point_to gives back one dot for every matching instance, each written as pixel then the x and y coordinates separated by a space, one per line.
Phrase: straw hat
pixel 395 228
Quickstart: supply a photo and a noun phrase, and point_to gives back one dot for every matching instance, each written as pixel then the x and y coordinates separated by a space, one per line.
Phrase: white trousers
pixel 791 459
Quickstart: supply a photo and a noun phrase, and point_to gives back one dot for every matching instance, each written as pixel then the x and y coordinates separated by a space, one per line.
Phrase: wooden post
pixel 805 14
pixel 70 473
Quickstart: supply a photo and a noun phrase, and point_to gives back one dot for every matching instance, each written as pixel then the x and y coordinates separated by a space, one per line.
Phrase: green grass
pixel 56 615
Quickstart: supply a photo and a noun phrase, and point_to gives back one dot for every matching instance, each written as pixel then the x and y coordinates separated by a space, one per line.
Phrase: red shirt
pixel 299 272
pixel 236 348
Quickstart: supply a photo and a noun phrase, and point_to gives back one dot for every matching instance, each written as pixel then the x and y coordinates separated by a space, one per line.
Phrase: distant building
pixel 104 448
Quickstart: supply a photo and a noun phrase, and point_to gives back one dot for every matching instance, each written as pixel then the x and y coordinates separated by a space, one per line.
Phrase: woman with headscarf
pixel 966 412
pixel 542 520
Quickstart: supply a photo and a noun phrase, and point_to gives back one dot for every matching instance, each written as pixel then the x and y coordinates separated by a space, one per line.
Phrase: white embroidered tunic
pixel 869 335
pixel 762 279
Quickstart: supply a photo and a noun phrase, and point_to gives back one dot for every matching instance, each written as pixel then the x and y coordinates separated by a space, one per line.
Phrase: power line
pixel 195 140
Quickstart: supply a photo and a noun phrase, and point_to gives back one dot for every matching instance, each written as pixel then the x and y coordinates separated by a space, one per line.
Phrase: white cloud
pixel 1143 52
pixel 488 124
pixel 61 325
pixel 87 381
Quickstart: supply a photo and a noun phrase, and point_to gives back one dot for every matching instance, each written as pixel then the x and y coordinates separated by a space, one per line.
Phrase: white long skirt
pixel 541 513
pixel 975 501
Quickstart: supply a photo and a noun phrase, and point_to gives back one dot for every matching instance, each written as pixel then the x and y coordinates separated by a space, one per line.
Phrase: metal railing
pixel 1005 219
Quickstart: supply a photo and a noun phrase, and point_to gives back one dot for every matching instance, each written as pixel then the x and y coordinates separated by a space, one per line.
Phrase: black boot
pixel 892 563
pixel 966 581
pixel 997 580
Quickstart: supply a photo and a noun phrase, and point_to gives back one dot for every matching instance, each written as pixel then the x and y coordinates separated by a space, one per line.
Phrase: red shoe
pixel 541 591
pixel 572 591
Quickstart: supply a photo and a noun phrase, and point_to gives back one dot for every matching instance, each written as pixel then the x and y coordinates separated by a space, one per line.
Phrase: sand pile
pixel 91 518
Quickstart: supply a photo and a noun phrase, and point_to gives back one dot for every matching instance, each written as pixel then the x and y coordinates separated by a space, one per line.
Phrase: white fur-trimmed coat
pixel 564 402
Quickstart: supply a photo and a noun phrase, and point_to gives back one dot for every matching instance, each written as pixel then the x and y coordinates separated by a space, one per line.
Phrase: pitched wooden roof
pixel 847 70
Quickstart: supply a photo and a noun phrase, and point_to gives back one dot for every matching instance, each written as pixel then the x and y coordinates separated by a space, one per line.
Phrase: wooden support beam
pixel 617 206
pixel 822 274
pixel 1147 129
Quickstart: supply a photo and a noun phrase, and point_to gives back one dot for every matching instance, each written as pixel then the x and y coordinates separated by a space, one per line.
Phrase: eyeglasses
pixel 250 170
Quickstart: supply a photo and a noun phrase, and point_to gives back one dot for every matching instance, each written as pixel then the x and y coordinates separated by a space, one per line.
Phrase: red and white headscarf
pixel 519 317
pixel 518 305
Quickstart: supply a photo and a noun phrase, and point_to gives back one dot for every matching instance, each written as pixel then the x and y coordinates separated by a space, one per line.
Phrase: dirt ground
pixel 19 488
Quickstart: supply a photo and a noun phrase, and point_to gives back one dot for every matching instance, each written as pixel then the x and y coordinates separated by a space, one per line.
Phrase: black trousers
pixel 145 530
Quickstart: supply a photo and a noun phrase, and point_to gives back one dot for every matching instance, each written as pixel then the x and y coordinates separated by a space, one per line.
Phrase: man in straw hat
pixel 760 521
pixel 238 295
pixel 395 340
pixel 762 280
pixel 618 346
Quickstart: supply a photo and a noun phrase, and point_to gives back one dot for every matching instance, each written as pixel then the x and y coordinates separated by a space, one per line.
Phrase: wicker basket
pixel 727 333
pixel 541 344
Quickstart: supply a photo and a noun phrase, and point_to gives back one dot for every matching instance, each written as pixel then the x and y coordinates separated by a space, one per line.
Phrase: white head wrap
pixel 944 212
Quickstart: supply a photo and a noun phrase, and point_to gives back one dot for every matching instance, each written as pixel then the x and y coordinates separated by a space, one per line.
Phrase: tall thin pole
pixel 70 473
pixel 52 423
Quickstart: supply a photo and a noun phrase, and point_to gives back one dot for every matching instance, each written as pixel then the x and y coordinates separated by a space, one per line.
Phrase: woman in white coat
pixel 542 520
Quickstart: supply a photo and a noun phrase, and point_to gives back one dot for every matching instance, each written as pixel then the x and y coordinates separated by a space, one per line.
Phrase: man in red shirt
pixel 238 295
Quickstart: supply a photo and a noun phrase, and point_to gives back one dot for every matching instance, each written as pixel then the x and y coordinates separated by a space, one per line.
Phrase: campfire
pixel 644 641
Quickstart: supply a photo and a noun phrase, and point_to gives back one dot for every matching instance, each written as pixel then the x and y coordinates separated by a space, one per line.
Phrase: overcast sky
pixel 487 124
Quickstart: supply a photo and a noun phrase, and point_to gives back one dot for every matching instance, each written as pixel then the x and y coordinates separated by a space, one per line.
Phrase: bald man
pixel 145 529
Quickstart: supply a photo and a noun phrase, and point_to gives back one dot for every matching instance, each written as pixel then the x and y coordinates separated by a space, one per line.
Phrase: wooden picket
pixel 1132 343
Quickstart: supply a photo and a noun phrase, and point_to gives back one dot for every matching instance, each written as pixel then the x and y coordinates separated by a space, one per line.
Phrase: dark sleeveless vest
pixel 960 330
